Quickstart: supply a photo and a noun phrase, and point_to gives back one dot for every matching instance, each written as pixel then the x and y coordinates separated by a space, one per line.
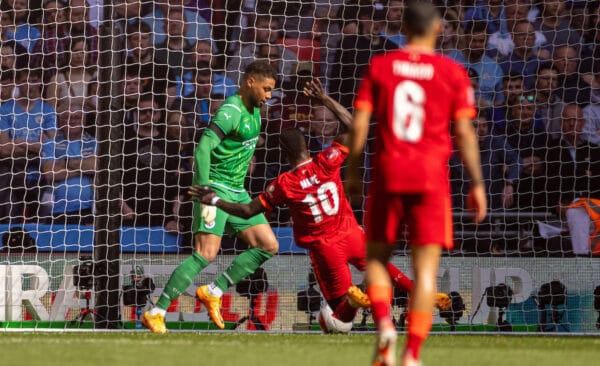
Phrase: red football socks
pixel 381 298
pixel 399 279
pixel 344 311
pixel 419 324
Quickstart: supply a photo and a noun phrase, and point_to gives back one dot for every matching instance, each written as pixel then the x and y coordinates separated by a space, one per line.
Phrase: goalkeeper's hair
pixel 293 143
pixel 261 69
pixel 418 18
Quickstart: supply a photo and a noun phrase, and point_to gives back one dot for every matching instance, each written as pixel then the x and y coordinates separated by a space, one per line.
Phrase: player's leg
pixel 383 218
pixel 207 242
pixel 330 266
pixel 262 245
pixel 430 227
pixel 425 260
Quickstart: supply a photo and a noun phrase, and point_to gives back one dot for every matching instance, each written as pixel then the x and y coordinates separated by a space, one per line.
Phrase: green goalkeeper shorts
pixel 224 222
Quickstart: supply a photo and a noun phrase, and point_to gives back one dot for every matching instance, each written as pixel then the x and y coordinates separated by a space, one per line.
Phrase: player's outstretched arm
pixel 467 144
pixel 357 140
pixel 207 196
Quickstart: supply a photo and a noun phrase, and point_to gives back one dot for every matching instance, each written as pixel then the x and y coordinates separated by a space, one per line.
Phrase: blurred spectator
pixel 142 54
pixel 195 109
pixel 15 26
pixel 12 56
pixel 49 53
pixel 490 73
pixel 25 123
pixel 523 58
pixel 516 11
pixel 523 129
pixel 549 103
pixel 174 52
pixel 79 24
pixel 152 178
pixel 591 128
pixel 572 88
pixel 575 181
pixel 554 27
pixel 197 27
pixel 479 101
pixel 355 53
pixel 266 31
pixel 512 89
pixel 73 78
pixel 449 41
pixel 590 54
pixel 499 163
pixel 391 31
pixel 202 53
pixel 298 18
pixel 68 164
pixel 7 85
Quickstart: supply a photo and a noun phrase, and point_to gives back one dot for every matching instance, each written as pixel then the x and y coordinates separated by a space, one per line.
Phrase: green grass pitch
pixel 248 349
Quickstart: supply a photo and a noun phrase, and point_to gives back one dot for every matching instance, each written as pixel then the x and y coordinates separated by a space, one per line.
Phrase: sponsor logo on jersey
pixel 250 144
pixel 226 115
pixel 210 226
pixel 333 154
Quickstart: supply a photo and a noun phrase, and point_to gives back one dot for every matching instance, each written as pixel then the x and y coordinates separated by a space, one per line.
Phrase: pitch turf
pixel 248 349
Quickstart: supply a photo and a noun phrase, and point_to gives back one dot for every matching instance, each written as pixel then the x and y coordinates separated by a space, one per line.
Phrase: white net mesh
pixel 167 66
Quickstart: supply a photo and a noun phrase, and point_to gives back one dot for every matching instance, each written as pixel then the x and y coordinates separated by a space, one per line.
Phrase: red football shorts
pixel 427 215
pixel 330 258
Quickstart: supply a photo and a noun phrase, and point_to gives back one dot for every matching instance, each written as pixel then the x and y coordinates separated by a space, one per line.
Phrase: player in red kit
pixel 413 94
pixel 323 220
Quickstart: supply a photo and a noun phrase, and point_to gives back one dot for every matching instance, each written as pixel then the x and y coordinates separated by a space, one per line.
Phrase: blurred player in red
pixel 413 93
pixel 323 219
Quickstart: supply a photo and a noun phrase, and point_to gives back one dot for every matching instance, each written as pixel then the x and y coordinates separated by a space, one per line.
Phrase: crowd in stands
pixel 534 66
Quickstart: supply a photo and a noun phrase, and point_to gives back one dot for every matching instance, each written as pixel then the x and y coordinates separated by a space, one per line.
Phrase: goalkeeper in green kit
pixel 221 161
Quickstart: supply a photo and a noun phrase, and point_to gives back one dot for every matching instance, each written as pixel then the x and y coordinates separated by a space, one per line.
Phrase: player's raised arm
pixel 315 89
pixel 467 144
pixel 207 196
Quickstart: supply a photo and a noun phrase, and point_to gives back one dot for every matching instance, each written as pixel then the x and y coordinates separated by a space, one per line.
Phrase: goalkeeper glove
pixel 209 213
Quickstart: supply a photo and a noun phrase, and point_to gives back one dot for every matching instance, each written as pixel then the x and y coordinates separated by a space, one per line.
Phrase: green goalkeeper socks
pixel 242 266
pixel 181 279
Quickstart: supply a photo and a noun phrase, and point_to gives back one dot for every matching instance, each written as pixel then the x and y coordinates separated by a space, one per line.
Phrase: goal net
pixel 103 104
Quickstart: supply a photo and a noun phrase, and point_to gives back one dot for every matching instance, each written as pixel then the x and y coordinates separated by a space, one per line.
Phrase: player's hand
pixel 315 89
pixel 477 202
pixel 202 194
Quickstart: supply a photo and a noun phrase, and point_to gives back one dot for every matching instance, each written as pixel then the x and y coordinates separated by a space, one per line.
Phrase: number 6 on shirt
pixel 408 111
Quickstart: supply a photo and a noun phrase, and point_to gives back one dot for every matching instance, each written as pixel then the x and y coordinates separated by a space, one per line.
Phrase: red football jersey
pixel 314 193
pixel 413 96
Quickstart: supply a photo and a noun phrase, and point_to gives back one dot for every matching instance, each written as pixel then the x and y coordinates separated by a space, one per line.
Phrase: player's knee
pixel 270 245
pixel 209 255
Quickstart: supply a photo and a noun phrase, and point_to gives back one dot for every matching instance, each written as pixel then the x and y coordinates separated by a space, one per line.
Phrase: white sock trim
pixel 156 310
pixel 214 290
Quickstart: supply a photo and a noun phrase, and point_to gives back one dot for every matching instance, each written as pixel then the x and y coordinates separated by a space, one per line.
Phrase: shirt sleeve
pixel 364 95
pixel 227 118
pixel 464 98
pixel 274 195
pixel 332 158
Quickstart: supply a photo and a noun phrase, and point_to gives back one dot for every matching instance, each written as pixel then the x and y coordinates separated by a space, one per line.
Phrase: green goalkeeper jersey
pixel 229 159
